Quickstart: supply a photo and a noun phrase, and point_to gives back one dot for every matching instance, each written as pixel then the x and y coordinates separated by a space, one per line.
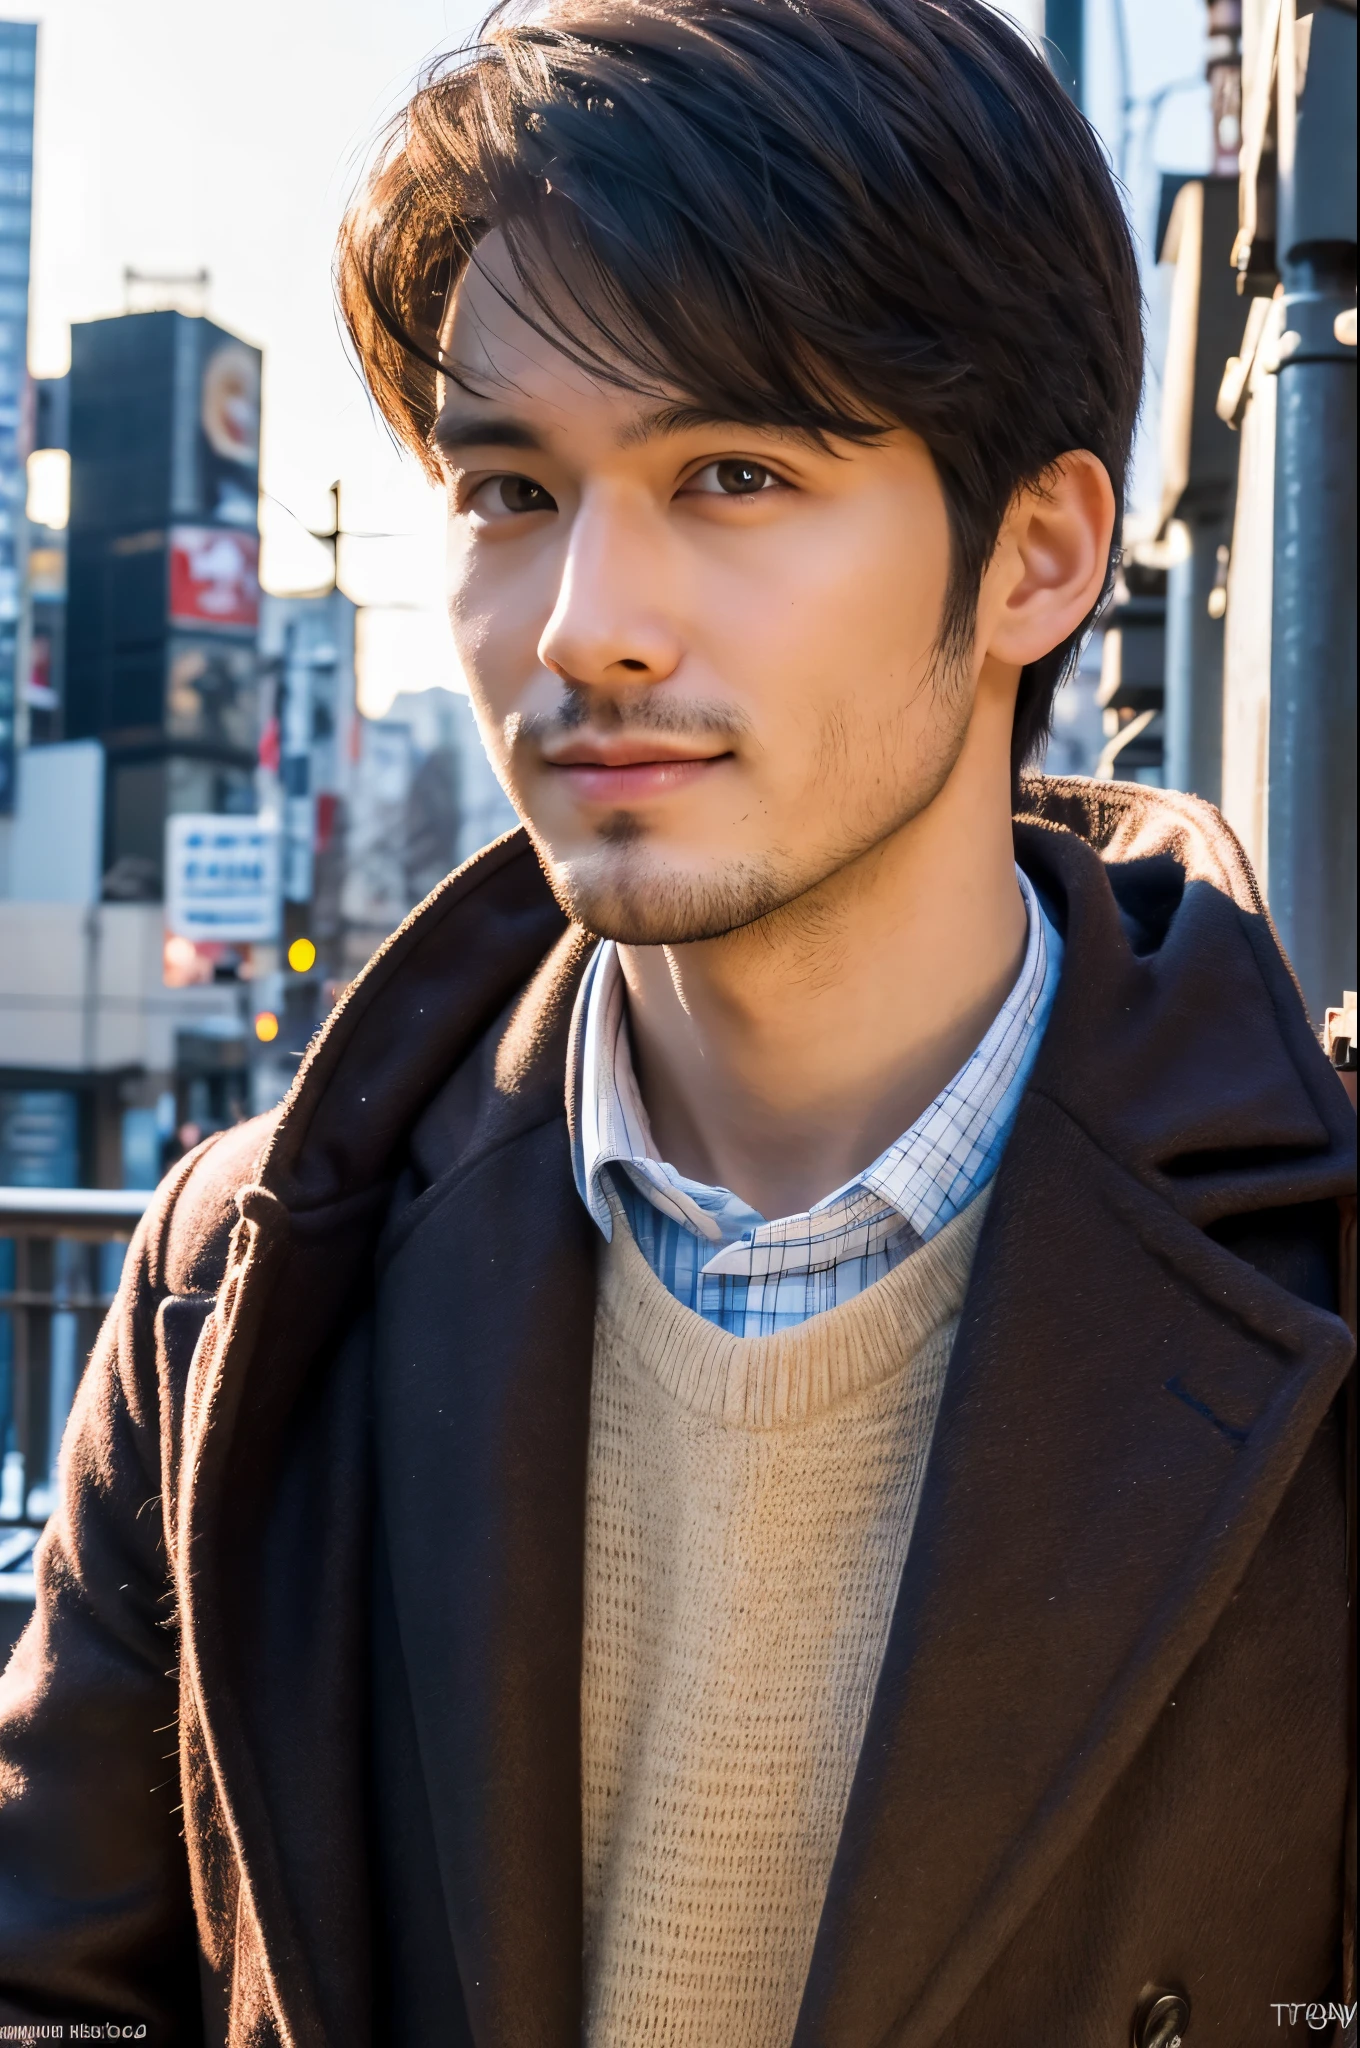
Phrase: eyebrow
pixel 454 432
pixel 674 418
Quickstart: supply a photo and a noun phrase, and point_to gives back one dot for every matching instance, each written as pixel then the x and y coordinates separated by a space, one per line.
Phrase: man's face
pixel 703 654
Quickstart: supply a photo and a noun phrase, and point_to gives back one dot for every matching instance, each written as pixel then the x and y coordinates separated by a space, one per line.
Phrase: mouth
pixel 624 771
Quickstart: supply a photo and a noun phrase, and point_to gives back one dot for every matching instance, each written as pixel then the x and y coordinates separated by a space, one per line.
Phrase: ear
pixel 1049 563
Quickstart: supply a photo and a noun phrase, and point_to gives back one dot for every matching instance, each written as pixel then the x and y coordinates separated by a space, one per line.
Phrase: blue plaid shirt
pixel 751 1276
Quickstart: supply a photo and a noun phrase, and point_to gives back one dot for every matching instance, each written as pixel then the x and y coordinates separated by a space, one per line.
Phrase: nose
pixel 611 626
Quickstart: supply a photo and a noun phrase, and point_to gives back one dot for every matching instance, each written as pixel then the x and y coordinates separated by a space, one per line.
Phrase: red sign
pixel 214 577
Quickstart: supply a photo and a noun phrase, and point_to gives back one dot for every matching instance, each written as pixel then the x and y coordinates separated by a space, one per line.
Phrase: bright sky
pixel 173 134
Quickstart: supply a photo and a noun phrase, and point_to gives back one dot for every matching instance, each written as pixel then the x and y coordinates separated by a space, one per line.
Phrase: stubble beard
pixel 618 889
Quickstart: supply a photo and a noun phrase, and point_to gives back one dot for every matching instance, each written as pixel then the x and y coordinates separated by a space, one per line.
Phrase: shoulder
pixel 1179 1040
pixel 187 1228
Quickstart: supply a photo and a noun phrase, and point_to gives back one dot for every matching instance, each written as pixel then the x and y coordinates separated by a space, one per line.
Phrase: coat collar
pixel 1113 1361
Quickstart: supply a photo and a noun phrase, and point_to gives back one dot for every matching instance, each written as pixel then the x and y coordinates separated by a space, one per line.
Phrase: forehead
pixel 494 340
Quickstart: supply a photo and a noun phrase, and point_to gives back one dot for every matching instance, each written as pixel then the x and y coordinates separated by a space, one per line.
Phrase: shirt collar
pixel 913 1176
pixel 612 1126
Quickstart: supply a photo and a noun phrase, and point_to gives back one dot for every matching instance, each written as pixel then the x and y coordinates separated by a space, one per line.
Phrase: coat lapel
pixel 482 1396
pixel 1126 1404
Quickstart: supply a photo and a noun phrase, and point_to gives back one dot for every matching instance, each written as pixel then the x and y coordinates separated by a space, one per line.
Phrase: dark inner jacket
pixel 290 1751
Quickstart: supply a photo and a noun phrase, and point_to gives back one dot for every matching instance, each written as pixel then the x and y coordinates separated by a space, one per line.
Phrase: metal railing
pixel 61 1254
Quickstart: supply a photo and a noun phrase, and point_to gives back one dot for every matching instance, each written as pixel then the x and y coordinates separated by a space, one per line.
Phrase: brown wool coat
pixel 289 1753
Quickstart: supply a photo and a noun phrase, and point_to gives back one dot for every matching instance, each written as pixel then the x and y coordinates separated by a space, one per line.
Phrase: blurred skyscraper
pixel 163 598
pixel 18 55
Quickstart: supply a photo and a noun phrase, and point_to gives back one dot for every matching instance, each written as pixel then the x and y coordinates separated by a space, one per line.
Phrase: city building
pixel 18 63
pixel 373 813
pixel 162 604
pixel 308 743
pixel 92 1037
pixel 46 568
pixel 424 797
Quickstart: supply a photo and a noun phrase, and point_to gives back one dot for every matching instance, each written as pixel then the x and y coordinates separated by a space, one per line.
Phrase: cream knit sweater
pixel 749 1507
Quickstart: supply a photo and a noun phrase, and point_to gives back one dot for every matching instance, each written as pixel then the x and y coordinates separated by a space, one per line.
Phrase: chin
pixel 626 891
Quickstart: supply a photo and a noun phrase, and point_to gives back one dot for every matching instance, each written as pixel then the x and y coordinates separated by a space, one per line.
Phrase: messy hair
pixel 826 216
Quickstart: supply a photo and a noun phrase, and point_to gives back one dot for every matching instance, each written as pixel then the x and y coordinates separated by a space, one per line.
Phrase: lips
pixel 628 771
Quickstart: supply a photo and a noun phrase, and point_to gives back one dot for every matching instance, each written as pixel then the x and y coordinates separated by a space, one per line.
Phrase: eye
pixel 736 477
pixel 500 497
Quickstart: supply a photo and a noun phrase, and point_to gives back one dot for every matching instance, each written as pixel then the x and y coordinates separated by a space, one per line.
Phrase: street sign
pixel 221 878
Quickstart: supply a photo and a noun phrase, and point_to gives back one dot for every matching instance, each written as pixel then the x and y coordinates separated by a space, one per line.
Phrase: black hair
pixel 826 215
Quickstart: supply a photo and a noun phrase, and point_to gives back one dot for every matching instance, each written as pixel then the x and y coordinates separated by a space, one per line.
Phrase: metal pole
pixel 1194 654
pixel 1065 34
pixel 1312 847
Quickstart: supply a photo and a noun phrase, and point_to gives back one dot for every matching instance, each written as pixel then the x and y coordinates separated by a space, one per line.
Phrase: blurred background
pixel 234 745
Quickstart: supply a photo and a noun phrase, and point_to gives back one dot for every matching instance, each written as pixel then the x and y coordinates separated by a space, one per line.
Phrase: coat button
pixel 1163 2021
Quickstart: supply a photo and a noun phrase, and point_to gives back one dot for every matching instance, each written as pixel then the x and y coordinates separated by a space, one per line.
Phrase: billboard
pixel 214 578
pixel 39 1138
pixel 221 878
pixel 212 692
pixel 163 539
pixel 229 425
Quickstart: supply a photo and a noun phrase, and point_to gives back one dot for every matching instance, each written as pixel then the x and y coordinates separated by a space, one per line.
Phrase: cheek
pixel 830 631
pixel 493 620
pixel 467 613
pixel 890 577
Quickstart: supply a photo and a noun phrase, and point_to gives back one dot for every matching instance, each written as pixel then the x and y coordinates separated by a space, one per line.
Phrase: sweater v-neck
pixel 792 1376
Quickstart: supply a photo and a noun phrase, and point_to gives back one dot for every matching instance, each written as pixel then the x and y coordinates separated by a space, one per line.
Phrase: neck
pixel 781 1059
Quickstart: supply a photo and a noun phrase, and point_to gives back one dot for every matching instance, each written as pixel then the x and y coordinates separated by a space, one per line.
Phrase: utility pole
pixel 1311 869
pixel 1289 727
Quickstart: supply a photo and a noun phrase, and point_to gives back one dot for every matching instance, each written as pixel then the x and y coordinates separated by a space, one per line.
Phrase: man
pixel 754 1455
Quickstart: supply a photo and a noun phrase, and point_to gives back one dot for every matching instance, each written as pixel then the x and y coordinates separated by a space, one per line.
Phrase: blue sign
pixel 222 880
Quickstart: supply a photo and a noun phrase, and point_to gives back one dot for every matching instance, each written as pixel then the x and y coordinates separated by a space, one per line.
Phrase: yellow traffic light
pixel 301 955
pixel 266 1026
